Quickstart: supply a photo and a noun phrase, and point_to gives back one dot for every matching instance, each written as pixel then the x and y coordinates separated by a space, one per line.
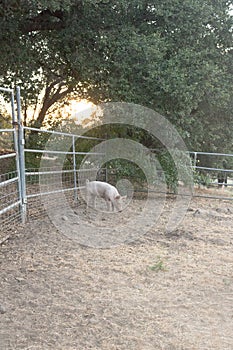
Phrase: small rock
pixel 76 223
pixel 20 279
pixel 64 218
pixel 2 309
pixel 197 212
pixel 190 209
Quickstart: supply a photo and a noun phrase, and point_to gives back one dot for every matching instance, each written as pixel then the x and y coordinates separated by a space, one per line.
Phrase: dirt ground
pixel 171 291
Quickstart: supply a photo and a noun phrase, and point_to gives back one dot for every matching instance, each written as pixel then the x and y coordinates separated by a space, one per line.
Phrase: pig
pixel 106 191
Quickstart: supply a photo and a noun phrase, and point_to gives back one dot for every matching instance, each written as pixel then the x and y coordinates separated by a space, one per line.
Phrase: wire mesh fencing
pixel 54 177
pixel 10 191
pixel 213 172
pixel 9 202
pixel 31 173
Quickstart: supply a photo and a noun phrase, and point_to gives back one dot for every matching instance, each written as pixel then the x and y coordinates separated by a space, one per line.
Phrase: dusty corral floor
pixel 168 291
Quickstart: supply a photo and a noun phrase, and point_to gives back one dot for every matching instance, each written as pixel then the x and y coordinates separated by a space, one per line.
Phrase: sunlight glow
pixel 81 110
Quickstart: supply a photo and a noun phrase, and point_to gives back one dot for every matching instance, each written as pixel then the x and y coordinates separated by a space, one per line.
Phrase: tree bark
pixel 53 93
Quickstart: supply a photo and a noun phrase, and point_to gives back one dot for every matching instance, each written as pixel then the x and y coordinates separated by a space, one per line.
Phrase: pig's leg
pixel 91 201
pixel 108 202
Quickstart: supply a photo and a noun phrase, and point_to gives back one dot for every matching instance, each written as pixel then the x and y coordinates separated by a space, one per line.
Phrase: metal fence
pixel 11 210
pixel 20 190
pixel 45 180
pixel 214 171
pixel 20 170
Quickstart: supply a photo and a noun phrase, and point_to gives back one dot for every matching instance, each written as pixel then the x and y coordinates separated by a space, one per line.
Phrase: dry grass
pixel 162 291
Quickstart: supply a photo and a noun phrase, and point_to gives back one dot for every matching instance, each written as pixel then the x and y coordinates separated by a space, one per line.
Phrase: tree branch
pixel 51 98
pixel 45 20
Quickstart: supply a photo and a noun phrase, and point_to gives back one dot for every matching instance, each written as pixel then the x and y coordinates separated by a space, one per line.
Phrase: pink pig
pixel 106 191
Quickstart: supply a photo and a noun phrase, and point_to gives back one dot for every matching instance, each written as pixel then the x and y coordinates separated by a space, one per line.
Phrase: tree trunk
pixel 53 93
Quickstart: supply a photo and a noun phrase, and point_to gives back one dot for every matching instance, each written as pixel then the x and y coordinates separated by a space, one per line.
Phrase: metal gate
pixel 12 207
pixel 20 193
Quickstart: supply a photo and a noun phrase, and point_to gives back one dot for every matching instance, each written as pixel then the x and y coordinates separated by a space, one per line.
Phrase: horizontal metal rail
pixel 53 192
pixel 181 194
pixel 48 172
pixel 32 173
pixel 47 193
pixel 213 197
pixel 7 182
pixel 212 154
pixel 214 169
pixel 216 183
pixel 91 169
pixel 64 134
pixel 8 155
pixel 7 130
pixel 10 207
pixel 6 89
pixel 59 152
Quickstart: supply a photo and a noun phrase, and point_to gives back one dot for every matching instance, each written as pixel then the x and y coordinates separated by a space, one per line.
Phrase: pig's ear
pixel 118 197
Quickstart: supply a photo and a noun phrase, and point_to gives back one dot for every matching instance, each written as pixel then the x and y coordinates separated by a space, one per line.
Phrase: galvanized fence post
pixel 75 170
pixel 195 160
pixel 21 157
pixel 16 146
pixel 105 153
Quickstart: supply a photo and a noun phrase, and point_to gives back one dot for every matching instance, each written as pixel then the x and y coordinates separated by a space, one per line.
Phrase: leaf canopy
pixel 174 56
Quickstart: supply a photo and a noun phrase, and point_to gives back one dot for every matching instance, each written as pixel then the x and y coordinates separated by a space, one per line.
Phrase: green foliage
pixel 36 141
pixel 123 168
pixel 170 171
pixel 6 139
pixel 172 56
pixel 5 118
pixel 158 265
pixel 201 178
